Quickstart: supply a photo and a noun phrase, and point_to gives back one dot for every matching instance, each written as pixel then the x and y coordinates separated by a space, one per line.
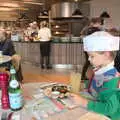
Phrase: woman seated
pixel 7 48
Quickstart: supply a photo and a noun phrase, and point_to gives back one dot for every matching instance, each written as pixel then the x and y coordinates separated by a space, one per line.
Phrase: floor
pixel 36 74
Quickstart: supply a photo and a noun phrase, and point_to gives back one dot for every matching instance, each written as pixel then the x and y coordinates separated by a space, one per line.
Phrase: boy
pixel 7 48
pixel 94 26
pixel 101 47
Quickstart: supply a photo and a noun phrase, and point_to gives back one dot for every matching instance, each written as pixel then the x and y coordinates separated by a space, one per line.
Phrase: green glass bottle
pixel 15 92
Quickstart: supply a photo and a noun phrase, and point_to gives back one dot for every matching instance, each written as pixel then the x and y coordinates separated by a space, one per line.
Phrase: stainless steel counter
pixel 62 53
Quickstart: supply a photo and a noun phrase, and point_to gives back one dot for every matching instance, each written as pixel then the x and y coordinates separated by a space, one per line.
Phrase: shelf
pixel 43 17
pixel 62 30
pixel 58 33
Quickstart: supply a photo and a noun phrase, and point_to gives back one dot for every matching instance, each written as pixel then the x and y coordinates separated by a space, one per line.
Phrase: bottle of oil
pixel 15 92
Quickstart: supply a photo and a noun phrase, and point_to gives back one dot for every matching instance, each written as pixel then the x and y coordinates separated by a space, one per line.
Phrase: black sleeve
pixel 117 61
pixel 8 48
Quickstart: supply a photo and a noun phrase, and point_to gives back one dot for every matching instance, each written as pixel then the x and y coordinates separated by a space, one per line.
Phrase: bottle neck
pixel 13 77
pixel 14 82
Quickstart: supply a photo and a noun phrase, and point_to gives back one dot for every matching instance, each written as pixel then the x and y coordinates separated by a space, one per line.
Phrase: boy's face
pixel 97 59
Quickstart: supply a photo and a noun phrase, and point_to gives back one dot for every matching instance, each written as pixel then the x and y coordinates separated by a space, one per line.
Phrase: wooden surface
pixel 33 73
pixel 34 77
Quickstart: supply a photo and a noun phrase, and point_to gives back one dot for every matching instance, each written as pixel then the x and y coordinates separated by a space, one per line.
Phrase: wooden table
pixel 78 113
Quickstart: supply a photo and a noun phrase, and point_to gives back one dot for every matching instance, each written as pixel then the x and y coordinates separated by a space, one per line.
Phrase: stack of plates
pixel 65 39
pixel 56 39
pixel 75 39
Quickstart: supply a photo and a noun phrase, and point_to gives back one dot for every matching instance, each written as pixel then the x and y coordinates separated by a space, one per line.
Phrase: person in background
pixel 115 32
pixel 94 25
pixel 30 31
pixel 27 33
pixel 7 48
pixel 8 31
pixel 44 35
pixel 101 48
pixel 35 26
pixel 35 30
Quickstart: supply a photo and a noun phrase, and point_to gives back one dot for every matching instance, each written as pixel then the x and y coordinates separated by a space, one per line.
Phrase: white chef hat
pixel 101 41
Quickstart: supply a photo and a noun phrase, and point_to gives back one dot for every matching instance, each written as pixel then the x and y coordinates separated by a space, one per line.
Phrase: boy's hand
pixel 3 70
pixel 80 100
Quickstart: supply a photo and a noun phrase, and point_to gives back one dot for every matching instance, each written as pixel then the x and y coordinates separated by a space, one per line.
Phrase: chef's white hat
pixel 101 41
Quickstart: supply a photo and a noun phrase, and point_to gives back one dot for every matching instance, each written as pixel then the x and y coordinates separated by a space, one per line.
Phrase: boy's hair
pixel 89 30
pixel 95 20
pixel 112 54
pixel 113 31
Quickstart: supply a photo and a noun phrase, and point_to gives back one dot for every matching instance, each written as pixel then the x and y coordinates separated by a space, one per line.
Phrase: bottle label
pixel 16 100
pixel 12 71
pixel 14 84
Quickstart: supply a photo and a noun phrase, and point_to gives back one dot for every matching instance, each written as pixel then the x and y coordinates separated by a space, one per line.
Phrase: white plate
pixel 4 59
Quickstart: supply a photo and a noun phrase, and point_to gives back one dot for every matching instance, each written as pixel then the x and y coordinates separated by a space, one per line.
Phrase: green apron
pixel 108 100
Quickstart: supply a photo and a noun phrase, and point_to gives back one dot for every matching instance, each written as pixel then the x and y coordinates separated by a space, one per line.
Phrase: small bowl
pixel 55 94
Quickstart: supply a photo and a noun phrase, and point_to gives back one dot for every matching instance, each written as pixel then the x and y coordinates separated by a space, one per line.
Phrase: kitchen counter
pixel 63 53
pixel 51 42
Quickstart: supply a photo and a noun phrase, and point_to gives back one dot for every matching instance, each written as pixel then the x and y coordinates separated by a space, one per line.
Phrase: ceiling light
pixel 14 5
pixel 44 13
pixel 6 9
pixel 77 13
pixel 104 15
pixel 23 17
pixel 34 3
pixel 75 0
pixel 22 8
pixel 57 26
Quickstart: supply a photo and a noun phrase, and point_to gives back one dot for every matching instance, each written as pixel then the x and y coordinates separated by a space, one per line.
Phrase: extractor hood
pixel 61 10
pixel 65 10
